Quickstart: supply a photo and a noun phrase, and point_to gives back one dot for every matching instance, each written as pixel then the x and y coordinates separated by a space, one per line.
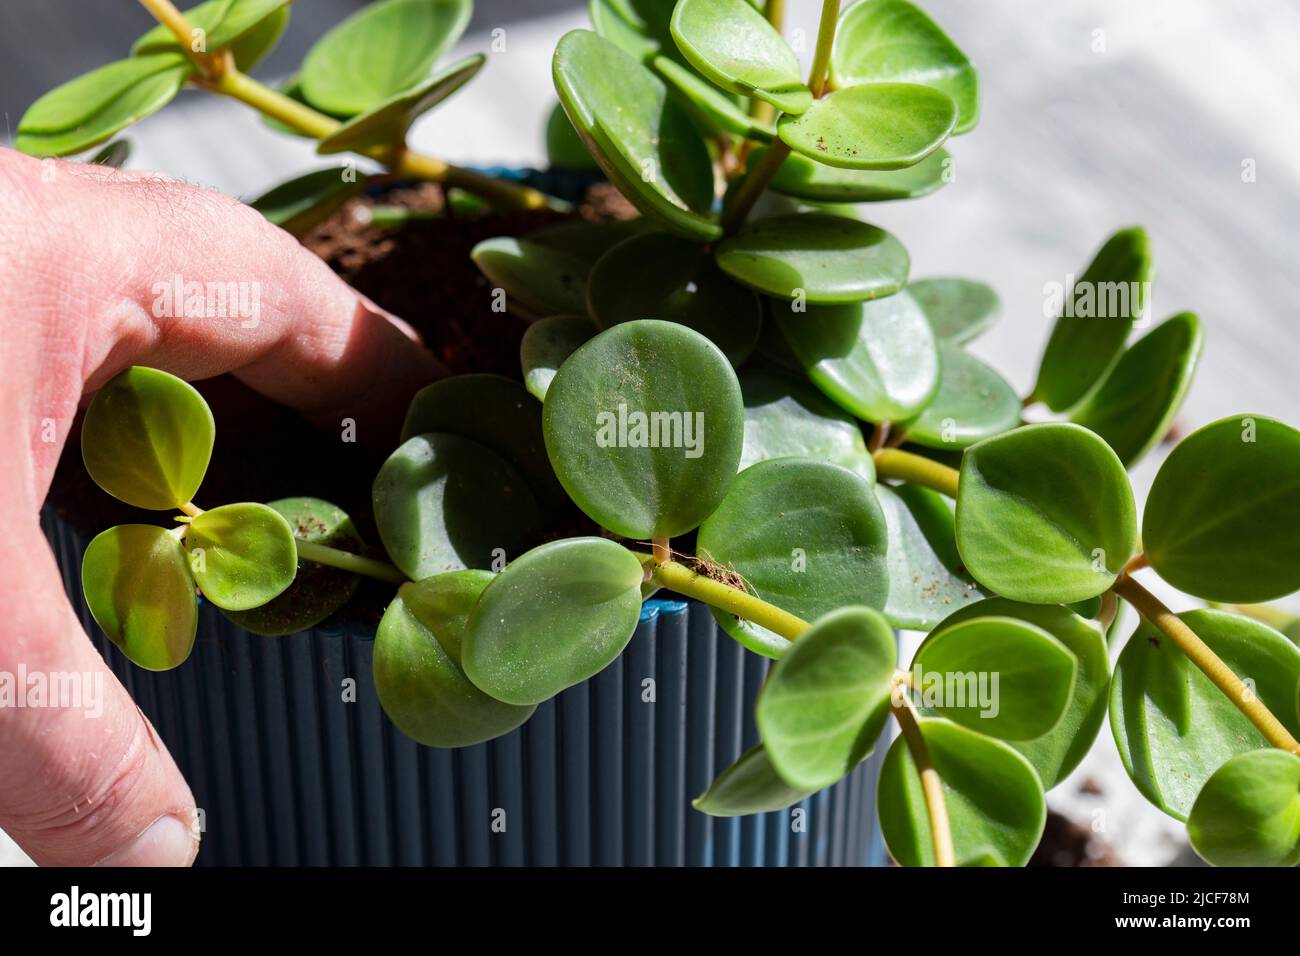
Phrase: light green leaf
pixel 241 555
pixel 1045 514
pixel 147 438
pixel 973 403
pixel 251 26
pixel 718 110
pixel 554 617
pixel 546 344
pixel 808 179
pixel 140 593
pixel 926 579
pixel 750 785
pixel 1248 812
pixel 959 310
pixel 875 126
pixel 785 417
pixel 826 701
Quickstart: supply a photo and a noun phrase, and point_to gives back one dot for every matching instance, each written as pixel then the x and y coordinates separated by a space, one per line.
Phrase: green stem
pixel 825 41
pixel 1187 641
pixel 347 561
pixel 677 577
pixel 936 806
pixel 914 469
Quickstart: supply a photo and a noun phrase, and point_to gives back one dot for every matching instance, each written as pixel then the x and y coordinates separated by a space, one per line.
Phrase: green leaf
pixel 1045 514
pixel 418 676
pixel 926 578
pixel 876 126
pixel 814 256
pixel 147 438
pixel 973 403
pixel 100 104
pixel 554 617
pixel 785 417
pixel 712 106
pixel 995 803
pixel 893 41
pixel 876 359
pixel 444 503
pixel 1055 755
pixel 622 23
pixel 998 676
pixel 496 412
pixel 814 181
pixel 381 50
pixel 807 536
pixel 1136 403
pixel 750 785
pixel 1093 327
pixel 1222 517
pixel 241 555
pixel 542 278
pixel 1248 813
pixel 644 425
pixel 959 310
pixel 826 701
pixel 587 241
pixel 684 286
pixel 253 26
pixel 304 202
pixel 1173 727
pixel 140 593
pixel 114 155
pixel 643 139
pixel 564 147
pixel 733 45
pixel 545 346
pixel 317 591
pixel 387 123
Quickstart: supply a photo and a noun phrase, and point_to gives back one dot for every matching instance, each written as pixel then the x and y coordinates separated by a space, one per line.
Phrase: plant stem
pixel 905 466
pixel 822 54
pixel 190 509
pixel 1137 563
pixel 1187 641
pixel 752 185
pixel 165 12
pixel 879 436
pixel 677 577
pixel 1107 611
pixel 661 550
pixel 347 561
pixel 931 786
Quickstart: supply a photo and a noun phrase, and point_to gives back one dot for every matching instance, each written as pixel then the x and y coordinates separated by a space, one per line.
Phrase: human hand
pixel 83 250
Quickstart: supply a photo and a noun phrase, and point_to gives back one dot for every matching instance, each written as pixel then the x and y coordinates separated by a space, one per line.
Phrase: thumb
pixel 85 779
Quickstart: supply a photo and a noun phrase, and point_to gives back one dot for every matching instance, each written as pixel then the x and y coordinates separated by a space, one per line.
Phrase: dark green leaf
pixel 554 617
pixel 733 45
pixel 785 417
pixel 1173 727
pixel 892 40
pixel 304 202
pixel 443 503
pixel 543 279
pixel 140 593
pixel 1096 318
pixel 317 591
pixel 96 106
pixel 1223 515
pixel 750 785
pixel 807 536
pixel 815 257
pixel 875 126
pixel 808 179
pixel 644 425
pixel 147 438
pixel 1136 403
pixel 642 139
pixel 826 701
pixel 241 555
pixel 381 50
pixel 682 284
pixel 1248 812
pixel 1045 514
pixel 876 359
pixel 564 147
pixel 114 155
pixel 926 579
pixel 973 403
pixel 386 124
pixel 995 803
pixel 545 346
pixel 717 109
pixel 958 309
pixel 1060 751
pixel 418 676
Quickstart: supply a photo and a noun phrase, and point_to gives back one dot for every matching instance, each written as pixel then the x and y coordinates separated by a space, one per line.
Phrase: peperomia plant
pixel 696 382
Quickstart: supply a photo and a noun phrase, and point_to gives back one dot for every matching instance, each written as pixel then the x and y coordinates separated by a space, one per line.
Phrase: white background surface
pixel 1095 115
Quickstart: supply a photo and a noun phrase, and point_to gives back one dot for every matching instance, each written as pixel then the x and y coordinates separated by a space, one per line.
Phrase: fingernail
pixel 168 842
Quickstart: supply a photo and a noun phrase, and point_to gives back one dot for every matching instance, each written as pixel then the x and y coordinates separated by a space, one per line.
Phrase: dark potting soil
pixel 420 272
